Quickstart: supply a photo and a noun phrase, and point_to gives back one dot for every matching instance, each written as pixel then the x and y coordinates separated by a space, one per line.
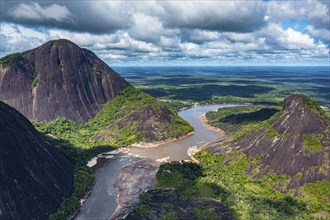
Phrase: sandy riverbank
pixel 195 149
pixel 192 151
pixel 138 175
pixel 157 143
pixel 106 155
pixel 110 154
pixel 203 119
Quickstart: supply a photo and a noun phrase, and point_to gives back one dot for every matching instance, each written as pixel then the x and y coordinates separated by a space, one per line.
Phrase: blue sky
pixel 175 32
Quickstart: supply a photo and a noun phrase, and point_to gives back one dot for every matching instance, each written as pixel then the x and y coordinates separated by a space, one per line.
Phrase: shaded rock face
pixel 34 176
pixel 59 79
pixel 285 153
pixel 164 201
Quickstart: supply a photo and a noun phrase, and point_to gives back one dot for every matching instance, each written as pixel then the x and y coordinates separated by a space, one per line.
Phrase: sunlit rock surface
pixel 58 79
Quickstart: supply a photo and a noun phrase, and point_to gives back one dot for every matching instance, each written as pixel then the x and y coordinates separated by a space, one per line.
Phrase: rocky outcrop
pixel 34 176
pixel 58 79
pixel 134 179
pixel 135 117
pixel 299 118
pixel 295 143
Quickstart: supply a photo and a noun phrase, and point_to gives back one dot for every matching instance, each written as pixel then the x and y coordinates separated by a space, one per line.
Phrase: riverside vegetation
pixel 80 142
pixel 225 179
pixel 235 178
pixel 99 110
pixel 83 176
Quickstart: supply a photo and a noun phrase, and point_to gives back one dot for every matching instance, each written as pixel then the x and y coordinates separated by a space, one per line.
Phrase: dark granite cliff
pixel 34 176
pixel 294 142
pixel 58 79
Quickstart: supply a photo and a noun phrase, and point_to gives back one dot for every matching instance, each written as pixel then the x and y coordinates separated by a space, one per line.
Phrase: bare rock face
pixel 58 79
pixel 134 179
pixel 298 118
pixel 34 176
pixel 298 147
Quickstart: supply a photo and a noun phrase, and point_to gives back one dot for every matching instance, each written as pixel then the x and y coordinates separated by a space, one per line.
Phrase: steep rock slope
pixel 34 176
pixel 293 142
pixel 58 79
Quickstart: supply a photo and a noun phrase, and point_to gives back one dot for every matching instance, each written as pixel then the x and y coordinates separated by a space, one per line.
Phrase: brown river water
pixel 101 203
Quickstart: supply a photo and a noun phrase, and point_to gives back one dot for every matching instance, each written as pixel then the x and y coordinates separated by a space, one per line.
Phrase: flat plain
pixel 268 85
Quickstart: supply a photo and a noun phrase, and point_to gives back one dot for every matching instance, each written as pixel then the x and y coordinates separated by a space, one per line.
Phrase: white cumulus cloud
pixel 36 12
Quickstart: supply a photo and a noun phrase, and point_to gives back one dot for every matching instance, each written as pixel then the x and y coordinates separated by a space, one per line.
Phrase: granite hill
pixel 58 78
pixel 294 141
pixel 60 83
pixel 34 176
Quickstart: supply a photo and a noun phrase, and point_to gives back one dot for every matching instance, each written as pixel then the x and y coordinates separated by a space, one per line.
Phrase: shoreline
pixel 197 104
pixel 192 151
pixel 133 179
pixel 93 163
pixel 205 123
pixel 195 149
pixel 110 154
pixel 106 155
pixel 158 143
pixel 102 159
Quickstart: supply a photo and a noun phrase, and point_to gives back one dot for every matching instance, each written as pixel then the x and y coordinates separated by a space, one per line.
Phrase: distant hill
pixel 294 141
pixel 58 78
pixel 34 176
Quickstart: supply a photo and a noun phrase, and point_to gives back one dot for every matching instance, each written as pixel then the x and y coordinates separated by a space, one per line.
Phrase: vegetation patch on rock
pixel 11 59
pixel 312 142
pixel 285 153
pixel 225 180
pixel 291 140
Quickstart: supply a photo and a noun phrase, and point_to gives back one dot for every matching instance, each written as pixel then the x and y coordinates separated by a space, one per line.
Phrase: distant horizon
pixel 328 66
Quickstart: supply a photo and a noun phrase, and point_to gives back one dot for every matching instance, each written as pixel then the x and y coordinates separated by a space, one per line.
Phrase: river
pixel 101 203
